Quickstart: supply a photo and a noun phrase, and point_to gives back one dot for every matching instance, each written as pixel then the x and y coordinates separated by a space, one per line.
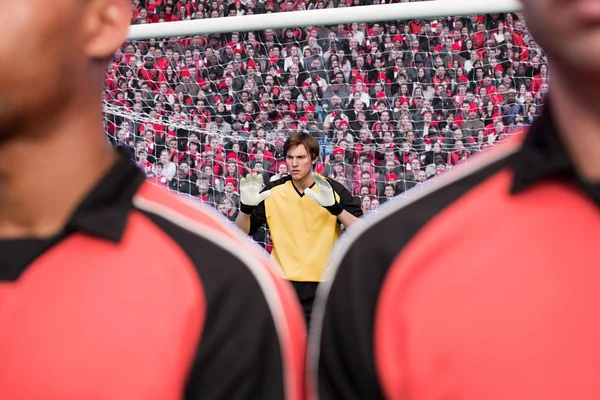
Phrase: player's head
pixel 572 41
pixel 69 45
pixel 301 152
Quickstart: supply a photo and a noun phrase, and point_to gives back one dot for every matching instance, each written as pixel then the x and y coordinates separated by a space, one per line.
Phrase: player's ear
pixel 106 24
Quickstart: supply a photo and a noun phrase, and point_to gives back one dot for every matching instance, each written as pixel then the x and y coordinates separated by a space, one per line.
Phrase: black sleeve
pixel 194 189
pixel 346 365
pixel 258 218
pixel 239 355
pixel 347 201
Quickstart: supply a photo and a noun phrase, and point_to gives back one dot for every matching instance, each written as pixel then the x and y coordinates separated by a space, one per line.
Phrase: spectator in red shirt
pixel 540 79
pixel 518 34
pixel 149 73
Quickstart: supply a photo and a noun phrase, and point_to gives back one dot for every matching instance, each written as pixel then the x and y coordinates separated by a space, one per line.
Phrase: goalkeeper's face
pixel 572 41
pixel 299 163
pixel 68 46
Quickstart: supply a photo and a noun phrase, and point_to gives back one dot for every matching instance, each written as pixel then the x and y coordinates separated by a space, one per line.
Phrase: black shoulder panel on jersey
pixel 238 356
pixel 349 203
pixel 277 182
pixel 259 215
pixel 346 365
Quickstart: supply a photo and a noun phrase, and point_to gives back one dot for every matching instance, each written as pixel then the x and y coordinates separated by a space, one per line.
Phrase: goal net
pixel 393 104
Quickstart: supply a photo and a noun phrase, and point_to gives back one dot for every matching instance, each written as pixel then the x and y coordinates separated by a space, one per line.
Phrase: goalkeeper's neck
pixel 303 183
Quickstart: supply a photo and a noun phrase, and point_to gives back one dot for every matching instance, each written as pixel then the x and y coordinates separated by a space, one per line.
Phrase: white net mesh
pixel 393 104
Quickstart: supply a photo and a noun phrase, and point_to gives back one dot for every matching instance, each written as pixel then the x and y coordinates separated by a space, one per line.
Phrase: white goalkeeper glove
pixel 250 195
pixel 325 195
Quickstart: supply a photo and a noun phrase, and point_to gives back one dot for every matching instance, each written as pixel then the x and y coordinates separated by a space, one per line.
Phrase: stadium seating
pixel 393 104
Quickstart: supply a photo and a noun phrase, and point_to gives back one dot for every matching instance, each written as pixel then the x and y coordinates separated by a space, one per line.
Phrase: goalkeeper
pixel 303 211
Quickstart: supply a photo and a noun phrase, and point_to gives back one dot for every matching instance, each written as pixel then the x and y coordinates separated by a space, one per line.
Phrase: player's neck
pixel 43 177
pixel 575 111
pixel 303 183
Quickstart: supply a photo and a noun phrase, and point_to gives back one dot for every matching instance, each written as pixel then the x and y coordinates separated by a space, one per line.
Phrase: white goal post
pixel 373 13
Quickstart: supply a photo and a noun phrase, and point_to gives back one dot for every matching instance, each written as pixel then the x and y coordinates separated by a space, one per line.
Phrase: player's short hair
pixel 310 143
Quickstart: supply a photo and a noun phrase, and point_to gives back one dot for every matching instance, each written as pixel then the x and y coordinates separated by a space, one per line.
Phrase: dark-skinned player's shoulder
pixel 251 342
pixel 156 298
pixel 343 358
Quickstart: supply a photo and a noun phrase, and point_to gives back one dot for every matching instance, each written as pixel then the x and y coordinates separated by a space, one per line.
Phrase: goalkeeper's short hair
pixel 310 143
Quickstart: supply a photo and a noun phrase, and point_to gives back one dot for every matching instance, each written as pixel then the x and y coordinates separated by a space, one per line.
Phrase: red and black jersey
pixel 482 285
pixel 150 76
pixel 189 7
pixel 143 296
pixel 416 27
pixel 518 38
pixel 479 40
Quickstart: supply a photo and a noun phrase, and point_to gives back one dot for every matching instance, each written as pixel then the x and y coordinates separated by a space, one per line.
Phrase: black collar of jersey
pixel 103 213
pixel 544 156
pixel 301 194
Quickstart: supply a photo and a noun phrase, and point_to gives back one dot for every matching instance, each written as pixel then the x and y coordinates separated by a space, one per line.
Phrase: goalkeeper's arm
pixel 243 222
pixel 250 198
pixel 326 197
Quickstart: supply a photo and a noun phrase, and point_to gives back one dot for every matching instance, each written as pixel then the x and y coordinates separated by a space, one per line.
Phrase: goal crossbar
pixel 331 16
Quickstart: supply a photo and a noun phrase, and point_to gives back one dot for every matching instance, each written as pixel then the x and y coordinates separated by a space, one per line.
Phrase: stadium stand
pixel 393 104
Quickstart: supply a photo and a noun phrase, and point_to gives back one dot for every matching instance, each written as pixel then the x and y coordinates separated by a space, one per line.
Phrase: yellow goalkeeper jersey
pixel 303 232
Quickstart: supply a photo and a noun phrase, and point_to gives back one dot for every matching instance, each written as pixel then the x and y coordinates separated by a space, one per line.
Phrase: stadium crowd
pixel 392 103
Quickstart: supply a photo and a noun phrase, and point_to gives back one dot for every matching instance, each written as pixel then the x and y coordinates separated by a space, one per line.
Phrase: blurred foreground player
pixel 487 286
pixel 111 288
